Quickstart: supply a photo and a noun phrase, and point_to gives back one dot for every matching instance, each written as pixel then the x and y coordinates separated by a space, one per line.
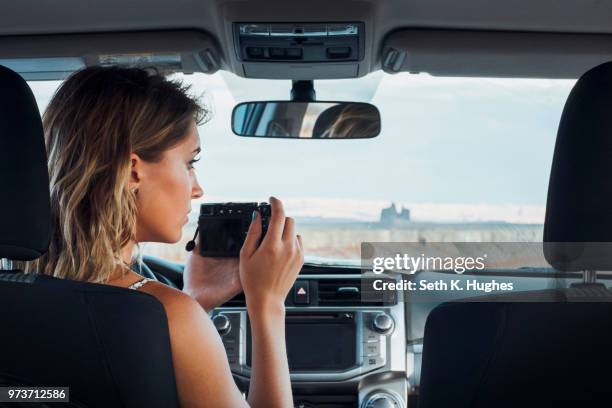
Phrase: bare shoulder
pixel 178 305
pixel 200 363
pixel 189 324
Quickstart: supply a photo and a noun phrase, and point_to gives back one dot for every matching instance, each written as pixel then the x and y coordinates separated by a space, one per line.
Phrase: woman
pixel 352 120
pixel 121 146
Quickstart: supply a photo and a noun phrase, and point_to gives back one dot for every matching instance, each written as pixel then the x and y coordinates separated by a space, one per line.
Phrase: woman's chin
pixel 167 239
pixel 167 236
pixel 176 238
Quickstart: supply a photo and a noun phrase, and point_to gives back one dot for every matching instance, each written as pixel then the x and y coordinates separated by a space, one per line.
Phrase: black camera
pixel 223 226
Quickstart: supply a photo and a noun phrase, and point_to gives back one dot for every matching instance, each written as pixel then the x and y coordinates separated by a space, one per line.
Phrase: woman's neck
pixel 126 253
pixel 123 272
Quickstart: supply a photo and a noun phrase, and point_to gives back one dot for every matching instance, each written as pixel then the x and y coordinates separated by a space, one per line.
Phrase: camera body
pixel 223 226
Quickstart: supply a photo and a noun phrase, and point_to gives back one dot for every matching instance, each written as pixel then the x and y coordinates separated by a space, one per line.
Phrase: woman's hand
pixel 268 272
pixel 211 281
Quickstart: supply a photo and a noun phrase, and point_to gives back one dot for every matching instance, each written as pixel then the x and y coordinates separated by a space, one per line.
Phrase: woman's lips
pixel 187 216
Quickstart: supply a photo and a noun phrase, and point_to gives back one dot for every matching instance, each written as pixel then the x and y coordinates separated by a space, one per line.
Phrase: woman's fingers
pixel 289 230
pixel 277 221
pixel 299 241
pixel 252 238
pixel 300 245
pixel 280 228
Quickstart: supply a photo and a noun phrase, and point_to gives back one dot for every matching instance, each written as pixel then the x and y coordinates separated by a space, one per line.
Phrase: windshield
pixel 457 159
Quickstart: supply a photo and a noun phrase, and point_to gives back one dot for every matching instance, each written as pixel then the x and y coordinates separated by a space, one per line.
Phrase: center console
pixel 343 350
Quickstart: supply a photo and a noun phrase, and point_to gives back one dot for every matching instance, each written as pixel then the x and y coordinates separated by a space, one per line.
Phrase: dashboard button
pixel 255 52
pixel 370 336
pixel 372 349
pixel 372 362
pixel 338 52
pixel 222 324
pixel 229 340
pixel 301 293
pixel 294 52
pixel 276 52
pixel 383 323
pixel 382 400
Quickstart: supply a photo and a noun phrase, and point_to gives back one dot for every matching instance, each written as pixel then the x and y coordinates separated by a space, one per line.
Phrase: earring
pixel 135 190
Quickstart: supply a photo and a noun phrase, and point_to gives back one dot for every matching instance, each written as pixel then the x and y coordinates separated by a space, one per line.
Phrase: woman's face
pixel 165 190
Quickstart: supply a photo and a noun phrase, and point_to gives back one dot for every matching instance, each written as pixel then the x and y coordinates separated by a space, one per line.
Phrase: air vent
pixel 337 292
pixel 352 292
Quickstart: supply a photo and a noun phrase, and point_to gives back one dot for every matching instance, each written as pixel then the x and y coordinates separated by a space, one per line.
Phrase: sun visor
pixel 48 57
pixel 493 53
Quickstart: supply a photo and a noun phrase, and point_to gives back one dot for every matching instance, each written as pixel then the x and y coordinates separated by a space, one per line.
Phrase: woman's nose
pixel 196 190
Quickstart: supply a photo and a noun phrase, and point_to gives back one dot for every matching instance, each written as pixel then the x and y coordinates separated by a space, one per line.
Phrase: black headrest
pixel 578 224
pixel 24 179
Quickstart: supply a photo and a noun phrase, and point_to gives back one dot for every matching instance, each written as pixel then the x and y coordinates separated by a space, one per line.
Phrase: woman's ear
pixel 135 172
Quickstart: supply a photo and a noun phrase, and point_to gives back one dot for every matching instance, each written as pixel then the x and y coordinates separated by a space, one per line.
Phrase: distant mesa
pixel 390 216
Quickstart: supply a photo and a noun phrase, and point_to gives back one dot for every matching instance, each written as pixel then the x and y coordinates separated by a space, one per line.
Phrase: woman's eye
pixel 192 162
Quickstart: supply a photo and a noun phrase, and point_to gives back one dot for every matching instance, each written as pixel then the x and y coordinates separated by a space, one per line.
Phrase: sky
pixel 451 149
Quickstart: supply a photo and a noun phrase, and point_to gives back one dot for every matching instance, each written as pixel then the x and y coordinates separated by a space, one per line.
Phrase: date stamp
pixel 34 394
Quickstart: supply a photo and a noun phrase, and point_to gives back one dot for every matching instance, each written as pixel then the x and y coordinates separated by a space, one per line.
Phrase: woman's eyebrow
pixel 198 150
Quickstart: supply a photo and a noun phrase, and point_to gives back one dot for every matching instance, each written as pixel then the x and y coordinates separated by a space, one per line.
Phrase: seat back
pixel 546 348
pixel 109 345
pixel 517 354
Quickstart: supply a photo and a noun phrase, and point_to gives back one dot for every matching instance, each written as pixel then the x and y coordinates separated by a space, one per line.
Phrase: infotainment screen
pixel 318 341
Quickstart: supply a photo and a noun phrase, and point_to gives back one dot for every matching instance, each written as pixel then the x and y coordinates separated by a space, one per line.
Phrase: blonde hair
pixel 96 119
pixel 355 120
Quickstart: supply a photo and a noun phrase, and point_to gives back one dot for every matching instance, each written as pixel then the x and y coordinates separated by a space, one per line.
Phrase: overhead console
pixel 300 51
pixel 300 42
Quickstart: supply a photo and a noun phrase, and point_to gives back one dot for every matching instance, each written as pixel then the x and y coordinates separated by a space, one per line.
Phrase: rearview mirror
pixel 310 120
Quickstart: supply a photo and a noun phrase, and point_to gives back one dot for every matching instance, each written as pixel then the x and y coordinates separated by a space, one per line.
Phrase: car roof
pixel 551 23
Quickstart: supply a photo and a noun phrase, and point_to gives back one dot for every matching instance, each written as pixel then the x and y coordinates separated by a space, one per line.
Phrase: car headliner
pixel 72 16
pixel 382 17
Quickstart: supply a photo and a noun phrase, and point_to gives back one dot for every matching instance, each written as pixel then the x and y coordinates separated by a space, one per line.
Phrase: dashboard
pixel 344 349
